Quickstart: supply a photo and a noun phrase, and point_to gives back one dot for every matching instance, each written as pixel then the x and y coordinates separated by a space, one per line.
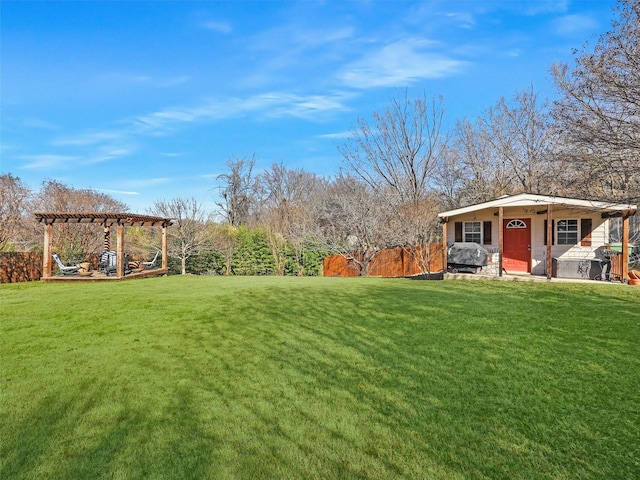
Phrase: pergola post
pixel 164 246
pixel 120 260
pixel 46 254
pixel 549 236
pixel 500 239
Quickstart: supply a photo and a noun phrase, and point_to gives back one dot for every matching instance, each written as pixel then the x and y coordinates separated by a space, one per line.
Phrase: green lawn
pixel 211 377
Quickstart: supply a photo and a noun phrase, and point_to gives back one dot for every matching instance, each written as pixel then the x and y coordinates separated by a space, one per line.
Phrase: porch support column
pixel 625 247
pixel 120 263
pixel 46 254
pixel 549 234
pixel 164 247
pixel 500 239
pixel 444 244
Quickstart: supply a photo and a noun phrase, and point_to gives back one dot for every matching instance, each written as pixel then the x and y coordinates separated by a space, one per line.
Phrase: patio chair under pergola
pixel 105 220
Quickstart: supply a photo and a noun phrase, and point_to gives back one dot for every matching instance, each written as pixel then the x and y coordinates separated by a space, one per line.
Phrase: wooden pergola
pixel 105 220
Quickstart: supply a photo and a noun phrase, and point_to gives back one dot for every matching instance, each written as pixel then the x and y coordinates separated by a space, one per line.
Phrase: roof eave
pixel 525 199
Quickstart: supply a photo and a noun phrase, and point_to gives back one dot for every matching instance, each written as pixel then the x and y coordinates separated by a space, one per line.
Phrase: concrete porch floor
pixel 521 277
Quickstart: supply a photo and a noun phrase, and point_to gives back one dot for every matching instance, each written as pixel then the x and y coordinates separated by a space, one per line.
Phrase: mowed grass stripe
pixel 205 377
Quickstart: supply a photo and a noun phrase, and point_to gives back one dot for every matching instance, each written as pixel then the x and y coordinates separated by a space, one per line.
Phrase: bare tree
pixel 398 154
pixel 15 201
pixel 397 159
pixel 187 235
pixel 225 240
pixel 487 174
pixel 75 240
pixel 519 135
pixel 505 151
pixel 419 221
pixel 286 210
pixel 355 223
pixel 598 114
pixel 57 197
pixel 237 190
pixel 449 179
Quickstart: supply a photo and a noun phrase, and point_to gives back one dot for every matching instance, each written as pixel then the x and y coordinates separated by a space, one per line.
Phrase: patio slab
pixel 101 277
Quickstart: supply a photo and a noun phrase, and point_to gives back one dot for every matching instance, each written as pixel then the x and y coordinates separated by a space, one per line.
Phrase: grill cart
pixel 466 257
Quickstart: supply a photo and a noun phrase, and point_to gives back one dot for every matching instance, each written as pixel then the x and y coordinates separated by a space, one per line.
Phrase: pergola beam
pixel 107 219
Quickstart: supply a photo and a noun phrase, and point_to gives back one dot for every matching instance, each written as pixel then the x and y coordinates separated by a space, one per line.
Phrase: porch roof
pixel 529 199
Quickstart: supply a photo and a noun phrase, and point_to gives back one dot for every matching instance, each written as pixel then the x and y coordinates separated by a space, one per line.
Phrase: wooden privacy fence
pixel 20 267
pixel 393 262
pixel 27 266
pixel 616 267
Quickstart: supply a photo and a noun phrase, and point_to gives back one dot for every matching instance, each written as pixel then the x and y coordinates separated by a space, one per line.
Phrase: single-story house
pixel 526 232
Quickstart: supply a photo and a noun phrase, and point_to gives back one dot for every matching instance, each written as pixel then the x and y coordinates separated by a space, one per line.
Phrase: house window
pixel 473 232
pixel 567 232
pixel 516 224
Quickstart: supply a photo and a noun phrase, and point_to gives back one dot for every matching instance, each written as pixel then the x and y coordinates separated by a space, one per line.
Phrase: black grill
pixel 466 257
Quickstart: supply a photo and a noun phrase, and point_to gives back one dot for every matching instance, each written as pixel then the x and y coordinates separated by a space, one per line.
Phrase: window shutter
pixel 585 231
pixel 458 237
pixel 486 233
pixel 553 233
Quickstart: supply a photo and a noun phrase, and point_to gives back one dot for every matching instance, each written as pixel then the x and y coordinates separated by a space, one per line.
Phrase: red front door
pixel 516 256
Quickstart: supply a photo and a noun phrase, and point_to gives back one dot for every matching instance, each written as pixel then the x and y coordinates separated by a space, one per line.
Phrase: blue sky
pixel 147 100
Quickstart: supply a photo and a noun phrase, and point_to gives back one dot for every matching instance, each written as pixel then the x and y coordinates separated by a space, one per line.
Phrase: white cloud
pixel 47 161
pixel 536 7
pixel 170 81
pixel 118 192
pixel 313 38
pixel 301 106
pixel 87 139
pixel 285 52
pixel 399 64
pixel 132 186
pixel 336 136
pixel 526 7
pixel 217 26
pixel 464 19
pixel 291 40
pixel 513 53
pixel 155 81
pixel 102 146
pixel 568 25
pixel 38 123
pixel 209 176
pixel 108 152
pixel 147 182
pixel 171 154
pixel 271 105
